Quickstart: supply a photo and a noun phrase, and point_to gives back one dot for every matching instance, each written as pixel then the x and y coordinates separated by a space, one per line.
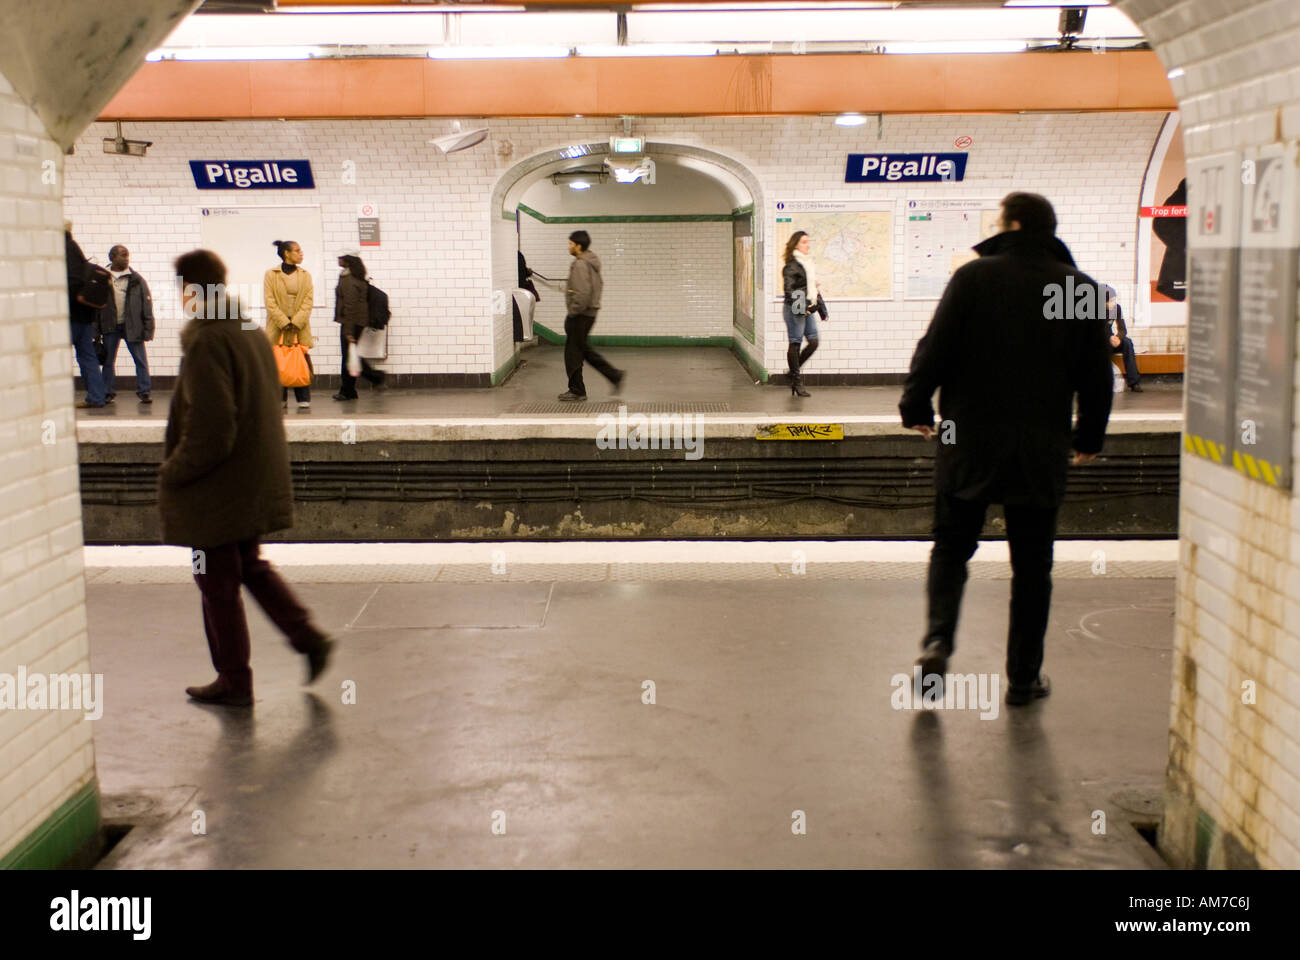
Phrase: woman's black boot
pixel 796 381
pixel 808 351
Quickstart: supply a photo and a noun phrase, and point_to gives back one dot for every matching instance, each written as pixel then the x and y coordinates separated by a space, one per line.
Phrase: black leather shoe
pixel 933 659
pixel 318 659
pixel 618 384
pixel 1136 388
pixel 339 396
pixel 1019 696
pixel 217 693
pixel 570 397
pixel 145 398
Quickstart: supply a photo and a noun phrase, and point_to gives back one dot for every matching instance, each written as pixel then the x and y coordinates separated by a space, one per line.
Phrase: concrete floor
pixel 655 374
pixel 526 698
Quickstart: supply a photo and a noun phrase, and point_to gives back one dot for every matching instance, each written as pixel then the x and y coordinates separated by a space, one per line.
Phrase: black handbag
pixel 101 351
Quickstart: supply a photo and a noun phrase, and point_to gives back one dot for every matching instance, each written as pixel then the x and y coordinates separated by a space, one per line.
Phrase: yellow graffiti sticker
pixel 801 431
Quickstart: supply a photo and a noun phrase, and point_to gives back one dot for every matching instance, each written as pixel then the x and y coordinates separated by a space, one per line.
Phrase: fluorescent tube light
pixel 958 46
pixel 579 185
pixel 235 53
pixel 648 50
pixel 503 52
pixel 850 120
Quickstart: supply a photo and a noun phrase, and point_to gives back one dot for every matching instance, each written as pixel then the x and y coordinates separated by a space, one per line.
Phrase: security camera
pixel 459 141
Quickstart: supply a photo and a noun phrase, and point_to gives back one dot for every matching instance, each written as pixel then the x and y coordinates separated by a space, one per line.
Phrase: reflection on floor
pixel 523 705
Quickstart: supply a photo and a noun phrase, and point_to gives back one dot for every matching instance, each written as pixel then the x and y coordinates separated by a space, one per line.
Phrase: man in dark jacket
pixel 1120 341
pixel 224 482
pixel 128 316
pixel 582 300
pixel 82 319
pixel 1008 363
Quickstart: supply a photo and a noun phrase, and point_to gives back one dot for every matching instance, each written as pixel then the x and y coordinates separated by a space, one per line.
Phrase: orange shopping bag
pixel 294 365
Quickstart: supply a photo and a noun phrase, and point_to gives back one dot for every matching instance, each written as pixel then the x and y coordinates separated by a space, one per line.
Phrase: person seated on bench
pixel 1120 342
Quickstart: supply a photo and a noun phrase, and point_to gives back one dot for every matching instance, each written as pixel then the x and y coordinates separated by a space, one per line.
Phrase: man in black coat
pixel 1017 335
pixel 82 321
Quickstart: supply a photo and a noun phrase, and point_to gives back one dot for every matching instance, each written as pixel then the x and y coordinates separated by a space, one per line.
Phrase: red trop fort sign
pixel 1179 211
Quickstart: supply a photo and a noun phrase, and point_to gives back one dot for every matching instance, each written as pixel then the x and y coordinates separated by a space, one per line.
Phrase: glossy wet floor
pixel 454 708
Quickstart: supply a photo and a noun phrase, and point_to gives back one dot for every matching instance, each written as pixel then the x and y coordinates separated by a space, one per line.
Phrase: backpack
pixel 96 286
pixel 377 307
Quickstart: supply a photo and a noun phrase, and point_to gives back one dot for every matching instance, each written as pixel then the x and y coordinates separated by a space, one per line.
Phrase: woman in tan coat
pixel 288 293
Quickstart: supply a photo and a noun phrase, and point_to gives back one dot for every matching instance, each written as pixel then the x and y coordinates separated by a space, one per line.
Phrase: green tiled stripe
pixel 614 340
pixel 1206 829
pixel 744 211
pixel 505 369
pixel 756 369
pixel 634 217
pixel 63 833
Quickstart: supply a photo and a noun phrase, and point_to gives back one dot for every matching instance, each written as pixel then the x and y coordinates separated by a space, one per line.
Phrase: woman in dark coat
pixel 803 303
pixel 353 316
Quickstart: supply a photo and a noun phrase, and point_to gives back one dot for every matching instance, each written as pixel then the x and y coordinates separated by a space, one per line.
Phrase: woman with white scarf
pixel 803 304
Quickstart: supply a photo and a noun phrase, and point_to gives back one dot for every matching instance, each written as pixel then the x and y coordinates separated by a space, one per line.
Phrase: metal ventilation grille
pixel 536 407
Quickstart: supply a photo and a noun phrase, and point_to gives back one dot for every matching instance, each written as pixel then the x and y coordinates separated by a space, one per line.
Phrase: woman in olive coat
pixel 288 293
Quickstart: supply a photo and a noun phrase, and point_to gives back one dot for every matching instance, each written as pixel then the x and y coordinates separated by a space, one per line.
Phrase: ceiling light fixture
pixel 957 46
pixel 234 53
pixel 502 52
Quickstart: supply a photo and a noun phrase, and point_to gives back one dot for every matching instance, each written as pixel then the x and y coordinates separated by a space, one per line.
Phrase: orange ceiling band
pixel 667 86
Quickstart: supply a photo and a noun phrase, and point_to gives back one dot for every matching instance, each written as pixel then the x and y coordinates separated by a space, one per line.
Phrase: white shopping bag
pixel 373 345
pixel 354 361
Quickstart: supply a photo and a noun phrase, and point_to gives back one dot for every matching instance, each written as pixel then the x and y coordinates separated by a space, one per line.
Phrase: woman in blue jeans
pixel 803 304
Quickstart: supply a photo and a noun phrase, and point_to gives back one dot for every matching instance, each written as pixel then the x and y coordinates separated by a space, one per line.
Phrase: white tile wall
pixel 661 279
pixel 45 756
pixel 442 243
pixel 1239 578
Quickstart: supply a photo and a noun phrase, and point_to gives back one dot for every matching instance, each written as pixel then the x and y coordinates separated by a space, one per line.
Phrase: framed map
pixel 937 239
pixel 852 245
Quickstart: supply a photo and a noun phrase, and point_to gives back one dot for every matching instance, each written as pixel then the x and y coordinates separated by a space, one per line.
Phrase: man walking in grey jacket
pixel 582 300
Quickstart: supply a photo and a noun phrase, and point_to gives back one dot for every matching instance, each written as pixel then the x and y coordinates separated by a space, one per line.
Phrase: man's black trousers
pixel 1030 532
pixel 576 330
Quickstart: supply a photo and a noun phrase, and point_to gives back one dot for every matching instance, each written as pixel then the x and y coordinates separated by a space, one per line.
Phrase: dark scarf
pixel 288 268
pixel 1024 242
